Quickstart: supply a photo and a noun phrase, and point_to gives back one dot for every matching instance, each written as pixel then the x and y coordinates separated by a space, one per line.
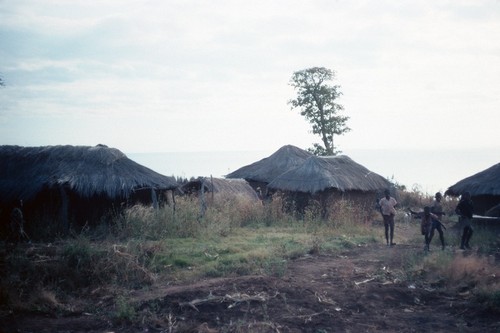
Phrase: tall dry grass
pixel 417 200
pixel 191 219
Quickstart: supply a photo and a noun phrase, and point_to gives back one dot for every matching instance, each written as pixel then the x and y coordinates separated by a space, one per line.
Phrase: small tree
pixel 316 99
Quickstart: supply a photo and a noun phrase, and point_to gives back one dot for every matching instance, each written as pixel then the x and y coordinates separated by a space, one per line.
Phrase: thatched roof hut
pixel 227 188
pixel 88 171
pixel 483 186
pixel 339 173
pixel 211 190
pixel 65 177
pixel 262 172
pixel 328 179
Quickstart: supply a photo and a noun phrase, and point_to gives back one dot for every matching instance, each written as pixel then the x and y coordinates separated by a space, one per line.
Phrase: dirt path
pixel 362 289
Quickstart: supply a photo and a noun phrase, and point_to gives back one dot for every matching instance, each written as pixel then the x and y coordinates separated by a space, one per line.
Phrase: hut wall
pixel 364 201
pixel 148 196
pixel 299 202
pixel 5 211
pixel 220 190
pixel 43 214
pixel 484 202
pixel 493 211
pixel 56 211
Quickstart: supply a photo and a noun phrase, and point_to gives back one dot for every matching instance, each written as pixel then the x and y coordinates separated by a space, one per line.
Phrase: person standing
pixel 387 207
pixel 465 210
pixel 430 222
pixel 437 210
pixel 437 207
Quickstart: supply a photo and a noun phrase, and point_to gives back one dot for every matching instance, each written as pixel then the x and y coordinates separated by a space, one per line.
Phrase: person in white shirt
pixel 388 210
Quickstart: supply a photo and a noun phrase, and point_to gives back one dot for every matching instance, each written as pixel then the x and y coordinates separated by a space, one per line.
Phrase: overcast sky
pixel 151 76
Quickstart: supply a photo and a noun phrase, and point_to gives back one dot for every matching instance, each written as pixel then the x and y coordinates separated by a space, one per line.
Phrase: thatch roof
pixel 334 172
pixel 227 187
pixel 486 182
pixel 88 171
pixel 265 170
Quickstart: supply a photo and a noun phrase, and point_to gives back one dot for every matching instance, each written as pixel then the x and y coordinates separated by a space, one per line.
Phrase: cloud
pixel 173 68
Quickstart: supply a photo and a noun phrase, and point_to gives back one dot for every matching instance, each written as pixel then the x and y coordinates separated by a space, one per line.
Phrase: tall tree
pixel 316 99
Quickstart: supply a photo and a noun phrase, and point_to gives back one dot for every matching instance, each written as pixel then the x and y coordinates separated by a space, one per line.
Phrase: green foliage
pixel 124 310
pixel 412 269
pixel 78 254
pixel 275 267
pixel 316 99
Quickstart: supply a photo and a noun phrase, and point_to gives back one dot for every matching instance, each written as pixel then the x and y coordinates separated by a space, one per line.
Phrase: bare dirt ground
pixel 359 290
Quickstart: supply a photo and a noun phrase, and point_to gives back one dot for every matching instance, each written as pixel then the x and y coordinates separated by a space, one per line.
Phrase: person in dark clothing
pixel 431 222
pixel 435 224
pixel 437 209
pixel 465 210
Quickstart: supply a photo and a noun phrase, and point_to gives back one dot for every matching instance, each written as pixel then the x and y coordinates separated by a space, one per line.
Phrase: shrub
pixel 124 310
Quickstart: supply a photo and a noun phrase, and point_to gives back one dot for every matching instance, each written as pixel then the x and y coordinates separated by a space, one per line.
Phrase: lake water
pixel 427 170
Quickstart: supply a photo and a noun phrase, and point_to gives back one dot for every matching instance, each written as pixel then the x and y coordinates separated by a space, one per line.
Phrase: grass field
pixel 145 247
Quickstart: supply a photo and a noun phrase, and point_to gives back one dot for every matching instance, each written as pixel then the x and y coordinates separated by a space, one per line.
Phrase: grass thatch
pixel 335 172
pixel 87 171
pixel 226 187
pixel 265 170
pixel 486 182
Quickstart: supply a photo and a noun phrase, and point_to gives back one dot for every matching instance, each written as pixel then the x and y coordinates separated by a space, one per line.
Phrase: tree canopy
pixel 316 100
